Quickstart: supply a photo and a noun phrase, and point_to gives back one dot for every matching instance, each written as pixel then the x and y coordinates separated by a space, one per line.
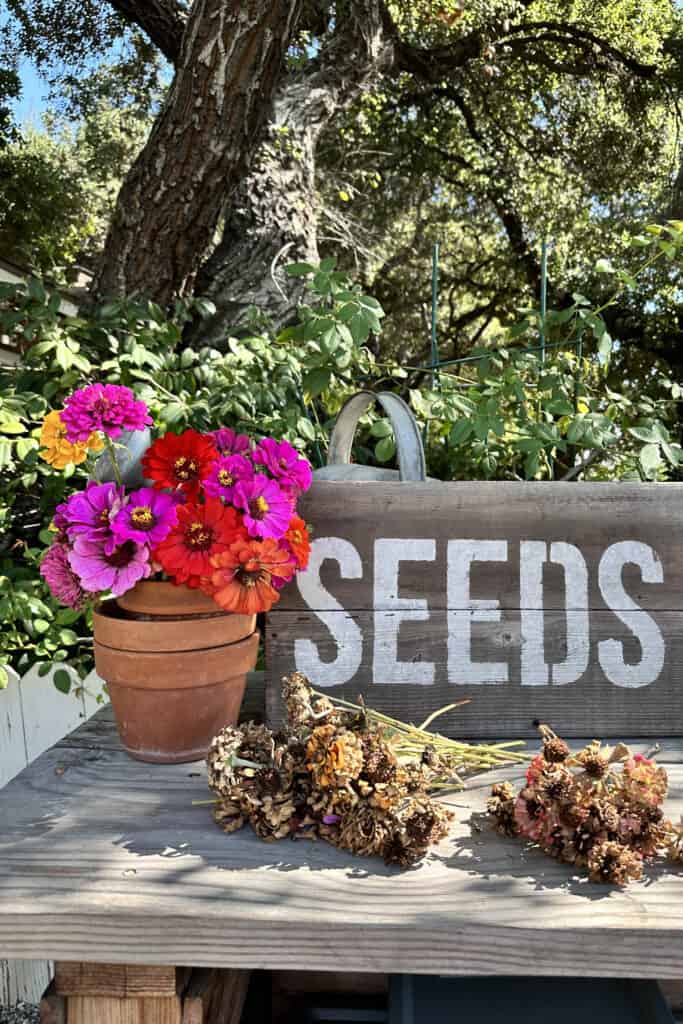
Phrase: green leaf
pixel 327 264
pixel 316 381
pixel 4 677
pixel 67 636
pixel 62 680
pixel 605 346
pixel 299 269
pixel 381 428
pixel 650 459
pixel 172 412
pixel 44 669
pixel 461 431
pixel 385 449
pixel 650 433
pixel 41 625
pixel 306 428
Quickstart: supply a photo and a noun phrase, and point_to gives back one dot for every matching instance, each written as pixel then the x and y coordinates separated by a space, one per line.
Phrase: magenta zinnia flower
pixel 230 443
pixel 147 518
pixel 90 513
pixel 227 472
pixel 110 408
pixel 117 570
pixel 267 509
pixel 283 462
pixel 60 577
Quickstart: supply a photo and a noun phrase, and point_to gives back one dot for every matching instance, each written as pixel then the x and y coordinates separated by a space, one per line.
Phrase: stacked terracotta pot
pixel 175 667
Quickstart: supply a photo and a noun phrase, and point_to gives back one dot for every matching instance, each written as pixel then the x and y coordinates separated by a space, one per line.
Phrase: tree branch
pixel 162 20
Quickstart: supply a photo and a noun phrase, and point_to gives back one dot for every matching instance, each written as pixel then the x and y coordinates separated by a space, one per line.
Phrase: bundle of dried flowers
pixel 340 772
pixel 599 809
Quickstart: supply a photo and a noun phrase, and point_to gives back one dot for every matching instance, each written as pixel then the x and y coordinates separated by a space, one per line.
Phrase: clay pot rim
pixel 179 650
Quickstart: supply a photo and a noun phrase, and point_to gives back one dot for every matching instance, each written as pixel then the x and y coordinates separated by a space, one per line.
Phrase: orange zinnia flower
pixel 298 540
pixel 242 577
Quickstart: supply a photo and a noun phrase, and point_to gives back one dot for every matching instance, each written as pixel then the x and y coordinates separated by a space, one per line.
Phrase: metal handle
pixel 411 456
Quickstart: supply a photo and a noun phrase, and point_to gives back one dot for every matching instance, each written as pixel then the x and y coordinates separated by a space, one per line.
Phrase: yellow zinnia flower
pixel 57 450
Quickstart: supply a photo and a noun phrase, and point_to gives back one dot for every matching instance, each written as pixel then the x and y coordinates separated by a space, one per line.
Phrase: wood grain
pixel 121 980
pixel 110 861
pixel 570 594
pixel 110 1010
pixel 509 709
pixel 215 997
pixel 590 516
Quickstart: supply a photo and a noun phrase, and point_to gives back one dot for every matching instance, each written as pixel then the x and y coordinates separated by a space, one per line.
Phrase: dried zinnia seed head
pixel 555 750
pixel 612 863
pixel 595 765
pixel 335 756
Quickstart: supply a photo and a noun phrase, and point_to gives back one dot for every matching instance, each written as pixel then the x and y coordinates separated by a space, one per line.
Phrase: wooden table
pixel 106 860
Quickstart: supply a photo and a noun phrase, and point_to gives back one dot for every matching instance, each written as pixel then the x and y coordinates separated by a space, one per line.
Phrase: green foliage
pixel 58 186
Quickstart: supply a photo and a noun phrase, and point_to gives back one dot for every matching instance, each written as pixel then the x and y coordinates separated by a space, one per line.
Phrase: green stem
pixel 114 462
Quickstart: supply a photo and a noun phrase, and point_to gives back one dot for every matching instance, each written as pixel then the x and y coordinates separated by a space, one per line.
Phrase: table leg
pixel 138 994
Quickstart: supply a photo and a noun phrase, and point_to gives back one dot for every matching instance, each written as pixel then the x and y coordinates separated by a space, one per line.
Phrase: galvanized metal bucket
pixel 409 448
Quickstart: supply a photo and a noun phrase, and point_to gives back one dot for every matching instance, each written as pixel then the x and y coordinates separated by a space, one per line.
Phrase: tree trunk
pixel 273 218
pixel 230 63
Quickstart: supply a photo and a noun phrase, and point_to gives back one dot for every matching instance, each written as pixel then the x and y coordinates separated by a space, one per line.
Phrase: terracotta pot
pixel 175 679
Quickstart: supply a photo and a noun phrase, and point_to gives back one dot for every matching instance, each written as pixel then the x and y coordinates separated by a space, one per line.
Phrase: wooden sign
pixel 551 602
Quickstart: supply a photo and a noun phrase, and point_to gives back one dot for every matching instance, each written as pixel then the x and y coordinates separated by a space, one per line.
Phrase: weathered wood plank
pixel 110 861
pixel 110 1010
pixel 592 517
pixel 534 671
pixel 215 997
pixel 13 755
pixel 570 594
pixel 66 710
pixel 120 980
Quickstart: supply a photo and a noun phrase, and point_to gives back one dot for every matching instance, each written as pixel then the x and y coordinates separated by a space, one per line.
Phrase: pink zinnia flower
pixel 117 570
pixel 147 518
pixel 110 408
pixel 90 513
pixel 230 443
pixel 227 472
pixel 60 577
pixel 283 462
pixel 267 509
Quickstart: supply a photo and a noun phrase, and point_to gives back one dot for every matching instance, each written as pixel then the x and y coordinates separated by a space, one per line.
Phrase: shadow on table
pixel 507 861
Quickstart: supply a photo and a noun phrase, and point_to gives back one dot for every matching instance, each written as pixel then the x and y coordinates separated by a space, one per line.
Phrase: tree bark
pixel 230 63
pixel 273 218
pixel 162 20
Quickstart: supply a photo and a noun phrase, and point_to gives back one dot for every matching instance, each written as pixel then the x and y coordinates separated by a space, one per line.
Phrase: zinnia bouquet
pixel 215 511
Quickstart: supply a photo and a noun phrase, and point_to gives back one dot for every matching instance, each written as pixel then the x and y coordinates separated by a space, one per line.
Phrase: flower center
pixel 142 517
pixel 103 517
pixel 251 573
pixel 283 463
pixel 225 478
pixel 185 469
pixel 122 555
pixel 258 507
pixel 198 536
pixel 296 536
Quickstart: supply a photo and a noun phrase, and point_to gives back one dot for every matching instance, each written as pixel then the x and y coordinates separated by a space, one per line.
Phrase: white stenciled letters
pixel 641 624
pixel 341 625
pixel 463 610
pixel 391 610
pixel 534 670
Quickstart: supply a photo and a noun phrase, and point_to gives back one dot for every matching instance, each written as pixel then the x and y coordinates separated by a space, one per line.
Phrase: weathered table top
pixel 106 859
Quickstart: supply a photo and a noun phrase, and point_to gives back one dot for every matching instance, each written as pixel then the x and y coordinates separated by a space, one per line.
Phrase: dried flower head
pixel 335 756
pixel 612 863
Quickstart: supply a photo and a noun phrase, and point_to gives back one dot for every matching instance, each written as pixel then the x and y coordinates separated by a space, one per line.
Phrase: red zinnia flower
pixel 242 578
pixel 180 461
pixel 298 540
pixel 201 532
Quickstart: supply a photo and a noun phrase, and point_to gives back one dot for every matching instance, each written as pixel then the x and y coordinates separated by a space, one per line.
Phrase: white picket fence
pixel 34 715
